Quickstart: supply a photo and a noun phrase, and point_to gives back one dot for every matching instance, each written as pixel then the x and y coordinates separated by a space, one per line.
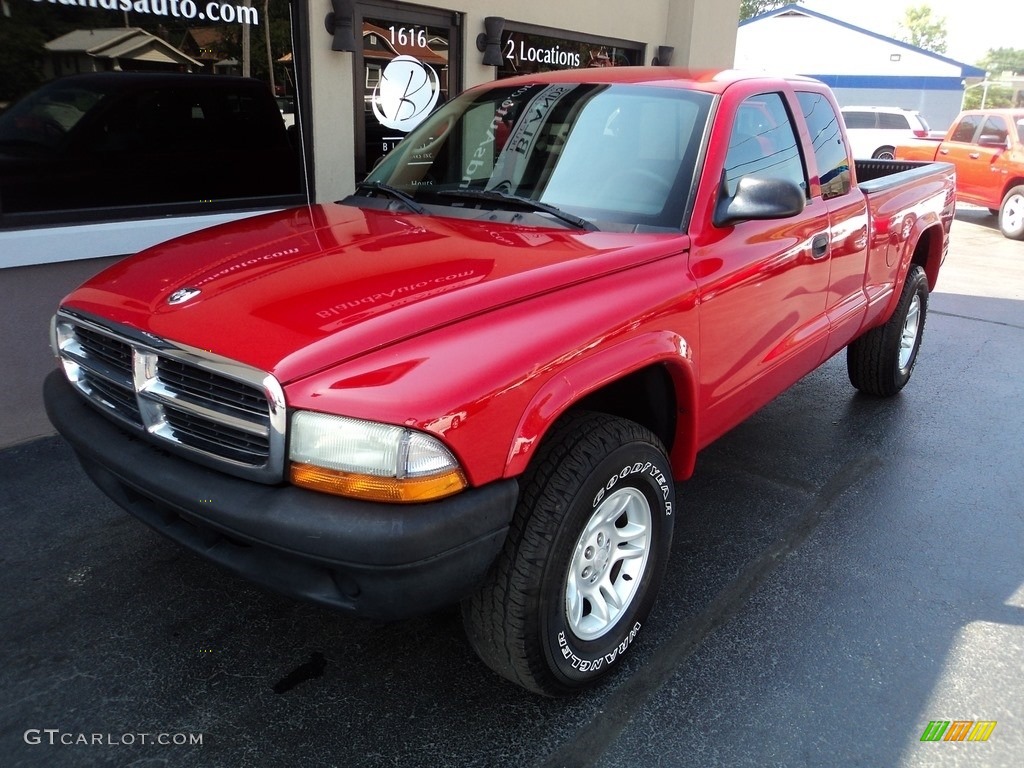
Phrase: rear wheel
pixel 585 554
pixel 885 153
pixel 1011 214
pixel 880 362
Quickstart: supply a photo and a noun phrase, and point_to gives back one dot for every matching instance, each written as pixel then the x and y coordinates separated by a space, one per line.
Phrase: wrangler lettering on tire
pixel 586 552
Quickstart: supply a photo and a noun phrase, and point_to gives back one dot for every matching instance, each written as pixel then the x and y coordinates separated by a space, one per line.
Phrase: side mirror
pixel 991 140
pixel 759 199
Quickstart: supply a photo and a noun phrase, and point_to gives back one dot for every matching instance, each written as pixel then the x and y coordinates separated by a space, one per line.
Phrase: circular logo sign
pixel 408 89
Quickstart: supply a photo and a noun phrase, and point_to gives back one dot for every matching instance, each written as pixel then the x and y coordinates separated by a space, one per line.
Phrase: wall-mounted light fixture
pixel 340 25
pixel 489 41
pixel 664 57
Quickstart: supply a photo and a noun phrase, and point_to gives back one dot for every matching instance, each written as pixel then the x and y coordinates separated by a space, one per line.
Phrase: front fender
pixel 599 370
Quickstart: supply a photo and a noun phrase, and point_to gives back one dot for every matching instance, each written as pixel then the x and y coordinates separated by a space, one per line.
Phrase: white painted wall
pixel 801 44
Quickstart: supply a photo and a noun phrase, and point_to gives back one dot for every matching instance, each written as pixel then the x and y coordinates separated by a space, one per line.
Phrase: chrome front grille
pixel 207 386
pixel 116 355
pixel 215 411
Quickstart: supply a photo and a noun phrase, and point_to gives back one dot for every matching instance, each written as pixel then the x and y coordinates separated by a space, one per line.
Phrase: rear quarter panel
pixel 905 209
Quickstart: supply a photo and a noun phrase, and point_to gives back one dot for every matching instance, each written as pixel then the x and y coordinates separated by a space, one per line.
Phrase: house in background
pixel 861 66
pixel 114 49
pixel 207 44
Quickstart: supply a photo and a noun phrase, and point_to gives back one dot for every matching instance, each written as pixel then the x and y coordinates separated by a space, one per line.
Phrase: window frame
pixel 976 120
pixel 987 124
pixel 846 184
pixel 801 161
pixel 37 238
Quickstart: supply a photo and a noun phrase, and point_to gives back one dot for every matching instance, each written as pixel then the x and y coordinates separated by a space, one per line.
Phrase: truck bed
pixel 877 175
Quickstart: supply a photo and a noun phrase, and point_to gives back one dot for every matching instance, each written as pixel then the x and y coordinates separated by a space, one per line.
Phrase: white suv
pixel 875 131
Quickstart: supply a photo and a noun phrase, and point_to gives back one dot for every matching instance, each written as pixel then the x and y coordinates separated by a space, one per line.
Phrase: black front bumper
pixel 384 561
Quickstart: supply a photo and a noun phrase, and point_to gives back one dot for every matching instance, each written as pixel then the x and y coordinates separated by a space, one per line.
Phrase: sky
pixel 972 26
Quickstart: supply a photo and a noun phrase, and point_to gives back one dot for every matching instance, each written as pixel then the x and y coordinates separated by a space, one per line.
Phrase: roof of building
pixel 206 36
pixel 967 70
pixel 120 42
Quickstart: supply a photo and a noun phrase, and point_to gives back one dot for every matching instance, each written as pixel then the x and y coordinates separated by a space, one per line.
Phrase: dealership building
pixel 99 158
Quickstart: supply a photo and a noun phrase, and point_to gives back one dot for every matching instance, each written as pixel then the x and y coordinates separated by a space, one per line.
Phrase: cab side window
pixel 994 129
pixel 763 144
pixel 966 128
pixel 831 154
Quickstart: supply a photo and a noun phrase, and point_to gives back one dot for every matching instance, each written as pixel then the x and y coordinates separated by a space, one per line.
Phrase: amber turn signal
pixel 390 489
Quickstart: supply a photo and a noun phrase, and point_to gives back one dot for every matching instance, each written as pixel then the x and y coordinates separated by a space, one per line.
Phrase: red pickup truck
pixel 479 377
pixel 987 149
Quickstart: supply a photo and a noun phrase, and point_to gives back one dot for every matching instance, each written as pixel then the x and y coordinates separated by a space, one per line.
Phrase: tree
pixel 21 54
pixel 923 29
pixel 279 30
pixel 993 96
pixel 996 63
pixel 999 60
pixel 751 8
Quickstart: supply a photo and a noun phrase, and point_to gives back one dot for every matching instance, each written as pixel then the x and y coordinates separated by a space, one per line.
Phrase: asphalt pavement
pixel 846 571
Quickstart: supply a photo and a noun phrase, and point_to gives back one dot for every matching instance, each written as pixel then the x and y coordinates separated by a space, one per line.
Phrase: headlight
pixel 366 460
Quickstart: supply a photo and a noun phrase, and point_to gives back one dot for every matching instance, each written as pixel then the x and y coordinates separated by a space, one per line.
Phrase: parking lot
pixel 845 571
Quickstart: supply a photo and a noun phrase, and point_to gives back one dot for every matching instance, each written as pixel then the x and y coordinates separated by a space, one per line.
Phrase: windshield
pixel 609 154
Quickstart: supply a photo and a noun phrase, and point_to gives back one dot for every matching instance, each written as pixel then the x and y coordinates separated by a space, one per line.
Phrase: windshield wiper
pixel 527 203
pixel 407 200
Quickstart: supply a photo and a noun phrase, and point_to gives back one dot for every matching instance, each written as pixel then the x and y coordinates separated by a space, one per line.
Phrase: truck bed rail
pixel 876 175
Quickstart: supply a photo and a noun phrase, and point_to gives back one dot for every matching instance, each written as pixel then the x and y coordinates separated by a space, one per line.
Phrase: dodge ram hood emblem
pixel 182 295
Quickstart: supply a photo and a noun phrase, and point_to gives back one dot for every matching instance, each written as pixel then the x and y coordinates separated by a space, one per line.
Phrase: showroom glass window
pixel 407 72
pixel 527 50
pixel 110 115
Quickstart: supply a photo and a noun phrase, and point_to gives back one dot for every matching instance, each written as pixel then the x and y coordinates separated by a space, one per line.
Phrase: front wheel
pixel 1011 214
pixel 585 554
pixel 880 362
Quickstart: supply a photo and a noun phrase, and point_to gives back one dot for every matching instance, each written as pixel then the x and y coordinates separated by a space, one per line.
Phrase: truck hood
pixel 295 291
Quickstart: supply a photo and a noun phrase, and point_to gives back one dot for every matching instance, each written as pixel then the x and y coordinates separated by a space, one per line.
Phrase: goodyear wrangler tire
pixel 585 555
pixel 880 362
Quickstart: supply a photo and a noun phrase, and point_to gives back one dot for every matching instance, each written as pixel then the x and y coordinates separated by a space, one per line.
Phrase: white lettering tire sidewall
pixel 573 660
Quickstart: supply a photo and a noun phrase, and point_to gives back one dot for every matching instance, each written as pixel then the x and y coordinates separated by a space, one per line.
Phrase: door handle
pixel 943 151
pixel 974 155
pixel 819 246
